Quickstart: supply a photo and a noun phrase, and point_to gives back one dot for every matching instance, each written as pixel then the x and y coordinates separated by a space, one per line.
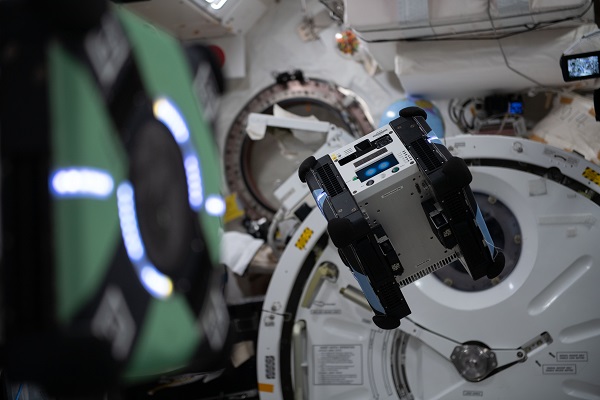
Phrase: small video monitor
pixel 580 66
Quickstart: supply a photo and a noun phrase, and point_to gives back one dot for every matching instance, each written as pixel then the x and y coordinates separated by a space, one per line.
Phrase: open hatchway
pixel 250 174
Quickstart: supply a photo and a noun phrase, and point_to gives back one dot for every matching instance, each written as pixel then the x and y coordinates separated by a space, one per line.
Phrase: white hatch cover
pixel 532 333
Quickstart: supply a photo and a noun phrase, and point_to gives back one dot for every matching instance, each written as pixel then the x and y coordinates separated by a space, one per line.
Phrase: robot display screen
pixel 376 168
pixel 583 67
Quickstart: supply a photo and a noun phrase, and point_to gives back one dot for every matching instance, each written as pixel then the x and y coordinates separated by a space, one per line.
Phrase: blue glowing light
pixel 167 113
pixel 371 172
pixel 81 182
pixel 194 181
pixel 320 196
pixel 128 221
pixel 383 165
pixel 215 205
pixel 156 283
pixel 432 138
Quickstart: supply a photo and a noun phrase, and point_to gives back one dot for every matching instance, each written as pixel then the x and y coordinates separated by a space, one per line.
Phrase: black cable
pixel 462 115
pixel 452 113
pixel 504 54
pixel 458 111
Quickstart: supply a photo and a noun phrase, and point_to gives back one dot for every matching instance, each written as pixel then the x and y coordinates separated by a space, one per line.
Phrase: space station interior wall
pixel 446 68
pixel 436 64
pixel 405 17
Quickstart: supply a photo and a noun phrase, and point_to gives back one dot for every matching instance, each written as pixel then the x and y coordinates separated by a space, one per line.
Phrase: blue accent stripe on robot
pixel 432 138
pixel 372 298
pixel 484 230
pixel 320 195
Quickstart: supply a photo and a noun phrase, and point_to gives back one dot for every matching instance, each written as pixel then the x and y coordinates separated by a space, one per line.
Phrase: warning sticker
pixel 338 364
pixel 575 356
pixel 592 175
pixel 304 238
pixel 559 369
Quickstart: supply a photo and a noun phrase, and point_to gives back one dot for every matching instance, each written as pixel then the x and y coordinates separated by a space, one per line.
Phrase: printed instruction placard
pixel 337 364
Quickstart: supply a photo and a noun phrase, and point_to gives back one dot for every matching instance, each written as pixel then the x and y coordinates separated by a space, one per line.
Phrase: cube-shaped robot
pixel 399 207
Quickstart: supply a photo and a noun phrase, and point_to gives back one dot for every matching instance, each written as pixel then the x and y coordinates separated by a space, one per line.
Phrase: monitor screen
pixel 583 67
pixel 376 168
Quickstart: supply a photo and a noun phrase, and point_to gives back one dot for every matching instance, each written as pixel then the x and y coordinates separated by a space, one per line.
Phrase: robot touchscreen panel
pixel 399 207
pixel 376 168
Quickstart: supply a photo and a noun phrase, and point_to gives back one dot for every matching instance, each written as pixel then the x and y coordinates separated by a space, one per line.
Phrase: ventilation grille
pixel 388 293
pixel 454 205
pixel 428 270
pixel 426 154
pixel 327 177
